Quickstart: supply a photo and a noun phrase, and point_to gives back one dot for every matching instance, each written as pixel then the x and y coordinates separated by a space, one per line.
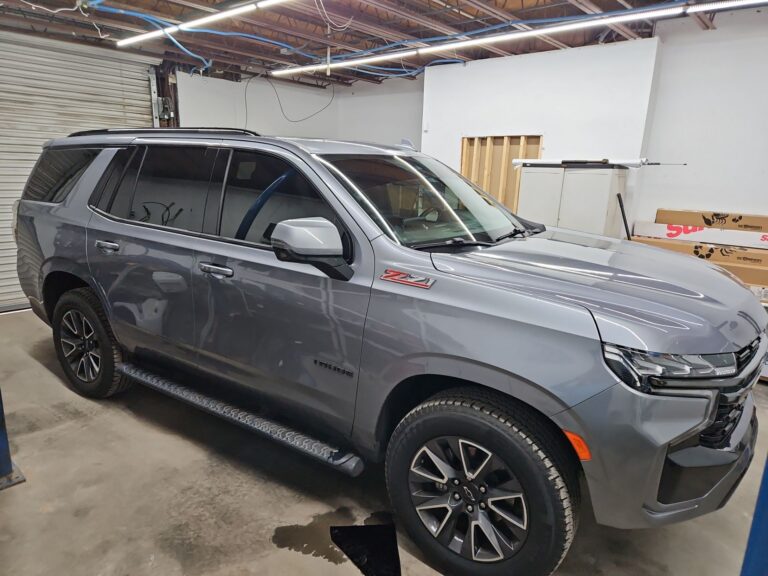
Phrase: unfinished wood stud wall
pixel 487 161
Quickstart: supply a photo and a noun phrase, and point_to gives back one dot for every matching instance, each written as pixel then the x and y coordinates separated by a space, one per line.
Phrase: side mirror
pixel 314 241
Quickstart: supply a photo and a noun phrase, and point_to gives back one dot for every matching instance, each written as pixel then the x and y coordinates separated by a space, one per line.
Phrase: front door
pixel 284 329
pixel 139 250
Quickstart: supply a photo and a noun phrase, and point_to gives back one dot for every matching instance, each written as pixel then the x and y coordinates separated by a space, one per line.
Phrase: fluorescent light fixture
pixel 713 6
pixel 518 35
pixel 215 17
pixel 522 34
pixel 268 3
pixel 351 63
pixel 550 30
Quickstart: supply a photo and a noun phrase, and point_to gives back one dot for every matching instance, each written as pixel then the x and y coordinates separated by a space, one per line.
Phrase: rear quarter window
pixel 56 173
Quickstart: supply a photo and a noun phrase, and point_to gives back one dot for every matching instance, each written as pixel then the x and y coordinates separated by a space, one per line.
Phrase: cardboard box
pixel 728 221
pixel 724 256
pixel 711 252
pixel 702 235
pixel 752 275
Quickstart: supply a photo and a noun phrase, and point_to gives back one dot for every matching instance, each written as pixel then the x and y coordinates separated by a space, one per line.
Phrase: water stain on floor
pixel 314 539
pixel 379 517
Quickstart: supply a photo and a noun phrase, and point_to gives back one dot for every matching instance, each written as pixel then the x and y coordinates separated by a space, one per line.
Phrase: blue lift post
pixel 9 474
pixel 756 557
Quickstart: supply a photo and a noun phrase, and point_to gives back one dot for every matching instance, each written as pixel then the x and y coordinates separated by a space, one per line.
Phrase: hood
pixel 640 296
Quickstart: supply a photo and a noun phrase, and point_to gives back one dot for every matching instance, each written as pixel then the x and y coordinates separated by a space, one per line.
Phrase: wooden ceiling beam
pixel 367 27
pixel 194 42
pixel 269 25
pixel 589 7
pixel 424 21
pixel 504 16
pixel 704 21
pixel 195 38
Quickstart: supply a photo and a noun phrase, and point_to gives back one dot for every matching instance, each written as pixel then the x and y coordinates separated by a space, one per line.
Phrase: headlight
pixel 648 370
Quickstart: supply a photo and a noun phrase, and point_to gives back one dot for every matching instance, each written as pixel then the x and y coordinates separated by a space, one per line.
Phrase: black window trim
pixel 292 164
pixel 217 237
pixel 98 190
pixel 99 148
pixel 144 151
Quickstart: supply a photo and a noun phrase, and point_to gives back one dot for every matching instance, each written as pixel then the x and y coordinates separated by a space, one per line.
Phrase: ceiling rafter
pixel 487 8
pixel 424 21
pixel 193 41
pixel 375 30
pixel 298 32
pixel 303 25
pixel 208 50
pixel 589 7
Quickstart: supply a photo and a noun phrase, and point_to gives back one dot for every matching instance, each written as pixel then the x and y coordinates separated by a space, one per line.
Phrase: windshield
pixel 418 200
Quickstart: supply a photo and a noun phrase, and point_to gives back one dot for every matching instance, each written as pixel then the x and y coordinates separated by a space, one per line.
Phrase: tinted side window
pixel 112 178
pixel 171 187
pixel 57 172
pixel 119 202
pixel 263 190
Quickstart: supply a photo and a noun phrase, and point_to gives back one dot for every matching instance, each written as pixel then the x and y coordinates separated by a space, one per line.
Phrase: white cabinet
pixel 579 198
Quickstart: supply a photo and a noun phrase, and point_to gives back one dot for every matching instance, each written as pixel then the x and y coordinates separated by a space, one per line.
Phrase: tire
pixel 527 488
pixel 78 314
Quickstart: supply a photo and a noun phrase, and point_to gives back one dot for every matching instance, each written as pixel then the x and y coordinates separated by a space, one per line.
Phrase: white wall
pixel 688 96
pixel 221 103
pixel 589 102
pixel 710 110
pixel 383 113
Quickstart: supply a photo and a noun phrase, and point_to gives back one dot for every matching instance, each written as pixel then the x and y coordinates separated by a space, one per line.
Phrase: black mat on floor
pixel 373 549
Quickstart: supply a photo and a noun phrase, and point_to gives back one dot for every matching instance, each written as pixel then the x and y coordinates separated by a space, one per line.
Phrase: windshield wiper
pixel 514 234
pixel 451 243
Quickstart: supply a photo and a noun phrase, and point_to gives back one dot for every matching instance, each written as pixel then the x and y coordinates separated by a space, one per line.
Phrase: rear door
pixel 139 249
pixel 284 329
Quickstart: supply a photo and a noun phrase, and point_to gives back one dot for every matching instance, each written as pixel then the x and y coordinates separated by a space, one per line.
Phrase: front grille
pixel 745 355
pixel 730 405
pixel 726 418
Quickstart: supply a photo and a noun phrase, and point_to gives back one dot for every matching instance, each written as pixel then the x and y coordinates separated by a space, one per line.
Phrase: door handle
pixel 214 270
pixel 107 247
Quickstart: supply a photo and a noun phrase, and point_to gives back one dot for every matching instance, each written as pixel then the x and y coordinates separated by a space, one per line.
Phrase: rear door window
pixel 56 173
pixel 170 189
pixel 112 177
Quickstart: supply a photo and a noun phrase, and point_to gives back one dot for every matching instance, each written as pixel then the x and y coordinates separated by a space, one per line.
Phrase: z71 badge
pixel 408 279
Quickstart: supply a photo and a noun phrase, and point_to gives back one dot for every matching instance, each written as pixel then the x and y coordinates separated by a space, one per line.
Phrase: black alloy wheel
pixel 469 499
pixel 80 345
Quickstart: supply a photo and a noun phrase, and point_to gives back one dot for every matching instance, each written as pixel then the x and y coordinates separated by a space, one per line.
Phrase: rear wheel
pixel 85 345
pixel 482 486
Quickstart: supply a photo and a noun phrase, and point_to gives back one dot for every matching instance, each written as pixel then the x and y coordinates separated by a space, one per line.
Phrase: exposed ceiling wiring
pixel 75 8
pixel 158 23
pixel 102 36
pixel 280 103
pixel 329 21
pixel 78 7
pixel 378 71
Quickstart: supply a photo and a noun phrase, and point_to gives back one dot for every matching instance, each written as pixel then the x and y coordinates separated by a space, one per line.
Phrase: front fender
pixel 544 354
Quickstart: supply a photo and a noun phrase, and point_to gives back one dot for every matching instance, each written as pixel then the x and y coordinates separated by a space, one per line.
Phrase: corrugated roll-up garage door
pixel 49 89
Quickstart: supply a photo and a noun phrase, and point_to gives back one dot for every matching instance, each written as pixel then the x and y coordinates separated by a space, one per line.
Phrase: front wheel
pixel 482 486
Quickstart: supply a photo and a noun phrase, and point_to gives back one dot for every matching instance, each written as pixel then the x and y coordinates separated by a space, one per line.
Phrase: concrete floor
pixel 146 485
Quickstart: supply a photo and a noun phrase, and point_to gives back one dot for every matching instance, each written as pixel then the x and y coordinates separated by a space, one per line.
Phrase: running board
pixel 346 462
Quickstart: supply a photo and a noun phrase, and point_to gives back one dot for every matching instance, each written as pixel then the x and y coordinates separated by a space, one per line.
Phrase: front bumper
pixel 649 466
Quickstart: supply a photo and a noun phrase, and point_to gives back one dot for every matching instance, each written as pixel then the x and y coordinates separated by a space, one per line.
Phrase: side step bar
pixel 346 462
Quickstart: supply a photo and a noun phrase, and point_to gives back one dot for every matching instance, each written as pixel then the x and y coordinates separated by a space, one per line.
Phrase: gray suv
pixel 362 303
